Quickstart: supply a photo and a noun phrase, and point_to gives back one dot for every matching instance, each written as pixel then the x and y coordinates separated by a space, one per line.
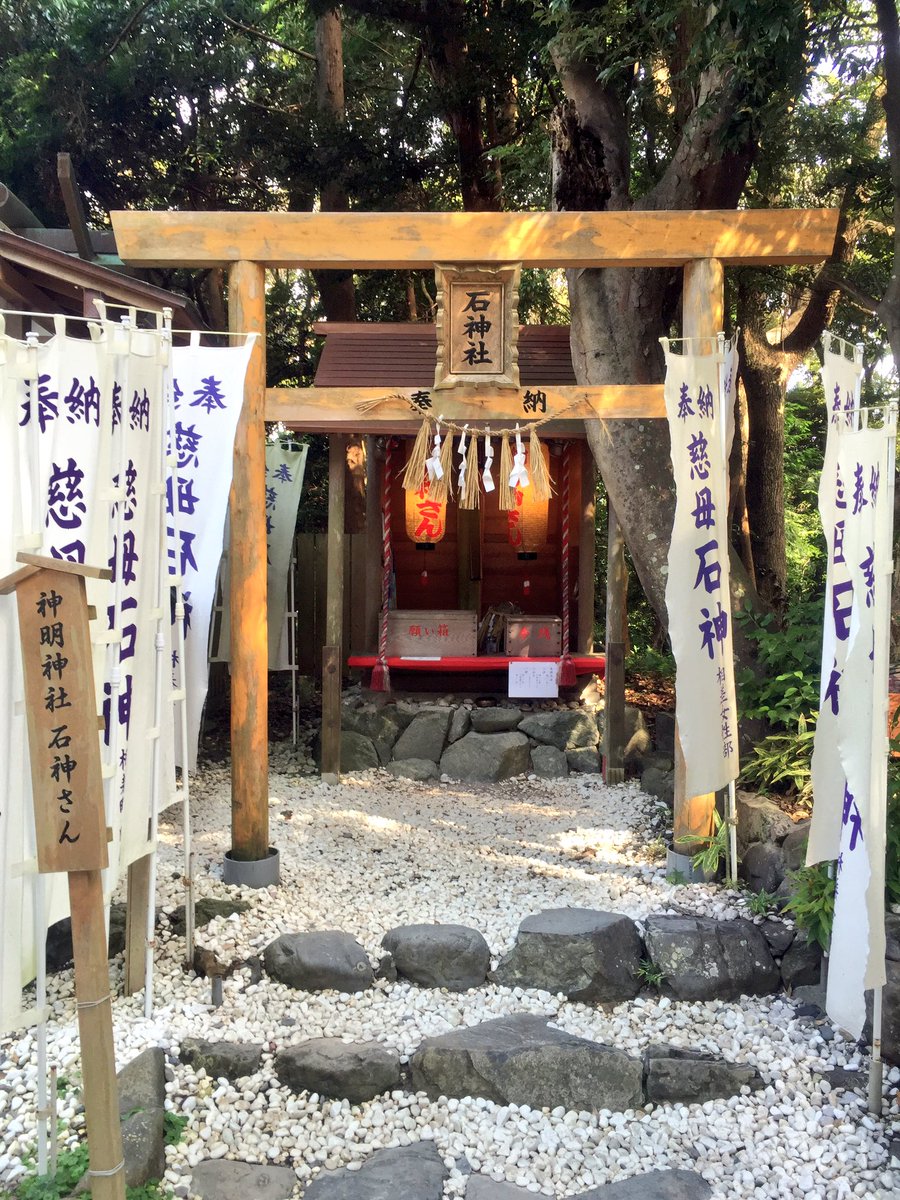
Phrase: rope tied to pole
pixel 381 676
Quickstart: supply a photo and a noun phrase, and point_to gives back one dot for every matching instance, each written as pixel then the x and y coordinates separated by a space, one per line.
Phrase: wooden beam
pixel 703 315
pixel 614 677
pixel 136 923
pixel 19 288
pixel 334 612
pixel 249 638
pixel 322 409
pixel 400 241
pixel 72 199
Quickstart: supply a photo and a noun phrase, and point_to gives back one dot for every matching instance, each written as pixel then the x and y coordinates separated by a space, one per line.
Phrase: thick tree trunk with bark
pixel 335 287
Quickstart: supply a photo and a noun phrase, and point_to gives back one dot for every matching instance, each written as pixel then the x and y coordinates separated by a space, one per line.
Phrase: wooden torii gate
pixel 703 243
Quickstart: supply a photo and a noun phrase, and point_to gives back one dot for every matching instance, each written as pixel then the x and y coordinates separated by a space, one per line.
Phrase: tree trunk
pixel 765 373
pixel 335 287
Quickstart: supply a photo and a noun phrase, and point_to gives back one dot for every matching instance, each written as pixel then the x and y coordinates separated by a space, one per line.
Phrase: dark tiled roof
pixel 371 355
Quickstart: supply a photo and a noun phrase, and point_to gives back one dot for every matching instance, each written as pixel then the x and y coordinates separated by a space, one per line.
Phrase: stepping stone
pixel 480 1187
pixel 354 1071
pixel 401 1173
pixel 523 1060
pixel 565 729
pixel 318 961
pixel 220 1179
pixel 439 956
pixel 653 1185
pixel 702 959
pixel 673 1075
pixel 487 757
pixel 222 1060
pixel 584 953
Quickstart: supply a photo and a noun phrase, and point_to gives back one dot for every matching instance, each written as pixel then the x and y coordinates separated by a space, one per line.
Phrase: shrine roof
pixel 367 354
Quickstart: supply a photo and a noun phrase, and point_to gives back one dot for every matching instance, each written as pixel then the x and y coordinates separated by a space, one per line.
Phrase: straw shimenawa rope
pixel 506 496
pixel 414 475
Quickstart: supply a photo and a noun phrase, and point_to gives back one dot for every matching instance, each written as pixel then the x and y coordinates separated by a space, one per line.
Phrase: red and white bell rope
pixel 381 676
pixel 567 675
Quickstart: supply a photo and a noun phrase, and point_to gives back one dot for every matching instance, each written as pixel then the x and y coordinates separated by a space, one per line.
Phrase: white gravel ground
pixel 378 852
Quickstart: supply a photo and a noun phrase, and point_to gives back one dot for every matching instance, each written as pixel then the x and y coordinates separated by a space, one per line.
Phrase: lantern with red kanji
pixel 426 521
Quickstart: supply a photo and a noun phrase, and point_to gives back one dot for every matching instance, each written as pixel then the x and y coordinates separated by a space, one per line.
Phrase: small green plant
pixel 650 973
pixel 676 878
pixel 760 903
pixel 655 850
pixel 812 902
pixel 174 1125
pixel 714 849
pixel 787 681
pixel 71 1164
pixel 782 761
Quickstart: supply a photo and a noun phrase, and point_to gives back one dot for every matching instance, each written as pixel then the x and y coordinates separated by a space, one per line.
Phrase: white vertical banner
pixel 81 440
pixel 284 484
pixel 699 406
pixel 850 753
pixel 208 385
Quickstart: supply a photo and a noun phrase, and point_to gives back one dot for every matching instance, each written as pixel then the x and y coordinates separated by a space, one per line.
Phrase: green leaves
pixel 812 902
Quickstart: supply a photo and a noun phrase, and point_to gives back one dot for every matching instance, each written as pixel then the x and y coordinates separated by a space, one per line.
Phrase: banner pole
pixel 876 1066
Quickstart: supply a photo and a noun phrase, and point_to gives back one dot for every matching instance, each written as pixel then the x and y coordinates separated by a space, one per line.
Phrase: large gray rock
pixel 401 1173
pixel 496 720
pixel 488 757
pixel 664 733
pixel 658 782
pixel 566 729
pixel 144 1146
pixel 794 846
pixel 890 1027
pixel 760 820
pixel 317 961
pixel 778 935
pixel 381 724
pixel 419 769
pixel 59 939
pixel 584 761
pixel 439 956
pixel 142 1095
pixel 583 953
pixel 522 1060
pixel 676 1076
pixel 762 867
pixel 892 936
pixel 222 1060
pixel 425 736
pixel 802 963
pixel 702 959
pixel 358 752
pixel 547 762
pixel 460 724
pixel 142 1081
pixel 355 1071
pixel 653 1185
pixel 221 1179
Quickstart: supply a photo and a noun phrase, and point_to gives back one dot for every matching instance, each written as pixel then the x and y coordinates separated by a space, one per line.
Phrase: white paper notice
pixel 530 679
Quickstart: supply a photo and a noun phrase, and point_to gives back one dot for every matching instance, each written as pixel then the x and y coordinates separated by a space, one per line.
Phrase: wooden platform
pixel 585 664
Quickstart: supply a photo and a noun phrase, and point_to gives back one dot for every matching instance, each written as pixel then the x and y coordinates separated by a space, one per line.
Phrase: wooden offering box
pixel 533 637
pixel 429 633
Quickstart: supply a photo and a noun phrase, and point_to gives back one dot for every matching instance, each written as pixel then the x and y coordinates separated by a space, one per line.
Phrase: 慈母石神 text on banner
pixel 86 439
pixel 849 756
pixel 81 476
pixel 285 469
pixel 208 392
pixel 699 394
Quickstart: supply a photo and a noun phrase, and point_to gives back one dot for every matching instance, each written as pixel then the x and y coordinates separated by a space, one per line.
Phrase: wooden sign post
pixel 70 824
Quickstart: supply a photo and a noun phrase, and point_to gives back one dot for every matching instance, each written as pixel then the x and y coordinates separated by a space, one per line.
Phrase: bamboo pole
pixel 249 637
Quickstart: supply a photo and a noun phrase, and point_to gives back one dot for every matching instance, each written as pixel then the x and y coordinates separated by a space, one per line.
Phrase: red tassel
pixel 424 579
pixel 526 586
pixel 381 677
pixel 567 676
